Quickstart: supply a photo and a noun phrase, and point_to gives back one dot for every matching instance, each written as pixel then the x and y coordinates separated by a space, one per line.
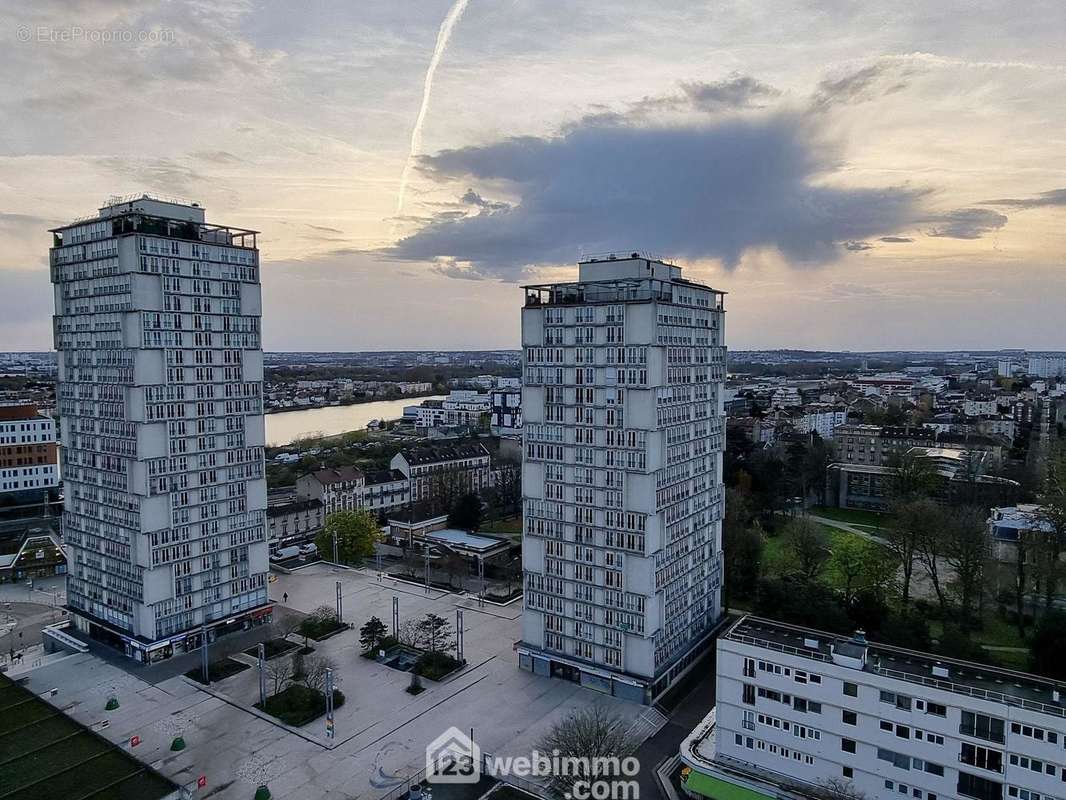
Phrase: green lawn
pixel 507 526
pixel 870 519
pixel 777 557
pixel 995 632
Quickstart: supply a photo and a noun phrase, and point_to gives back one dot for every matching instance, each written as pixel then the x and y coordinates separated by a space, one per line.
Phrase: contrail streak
pixel 443 35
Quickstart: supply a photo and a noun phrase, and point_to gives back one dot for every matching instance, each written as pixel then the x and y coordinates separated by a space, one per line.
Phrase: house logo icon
pixel 453 757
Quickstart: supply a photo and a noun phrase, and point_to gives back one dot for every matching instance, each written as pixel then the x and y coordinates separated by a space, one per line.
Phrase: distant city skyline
pixel 860 178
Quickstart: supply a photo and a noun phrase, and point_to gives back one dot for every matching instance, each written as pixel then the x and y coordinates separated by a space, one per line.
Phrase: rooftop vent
pixel 860 636
pixel 940 671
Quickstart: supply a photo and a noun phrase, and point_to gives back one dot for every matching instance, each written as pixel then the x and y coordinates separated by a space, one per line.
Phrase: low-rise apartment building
pixel 29 460
pixel 874 444
pixel 349 488
pixel 293 523
pixel 468 464
pixel 801 711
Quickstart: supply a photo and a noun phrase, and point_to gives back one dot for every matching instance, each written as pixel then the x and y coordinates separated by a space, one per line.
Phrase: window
pixel 936 709
pixel 886 726
pixel 851 689
pixel 901 701
pixel 981 757
pixel 749 694
pixel 978 787
pixel 903 732
pixel 849 717
pixel 847 745
pixel 847 772
pixel 981 726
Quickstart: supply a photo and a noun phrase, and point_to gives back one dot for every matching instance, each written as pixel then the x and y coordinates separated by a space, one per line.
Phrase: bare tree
pixel 930 550
pixel 910 476
pixel 589 735
pixel 809 546
pixel 509 486
pixel 279 671
pixel 1052 518
pixel 410 634
pixel 902 537
pixel 446 486
pixel 966 551
pixel 314 677
pixel 841 789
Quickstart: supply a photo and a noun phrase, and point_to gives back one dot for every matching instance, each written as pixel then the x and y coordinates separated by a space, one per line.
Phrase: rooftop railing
pixel 624 291
pixel 971 691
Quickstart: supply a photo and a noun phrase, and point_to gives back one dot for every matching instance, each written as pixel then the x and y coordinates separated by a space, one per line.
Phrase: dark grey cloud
pixel 965 223
pixel 868 83
pixel 733 93
pixel 736 91
pixel 896 239
pixel 472 198
pixel 712 190
pixel 858 246
pixel 1056 197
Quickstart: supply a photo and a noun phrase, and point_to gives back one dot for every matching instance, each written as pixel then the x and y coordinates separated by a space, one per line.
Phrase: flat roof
pixel 45 753
pixel 471 541
pixel 961 677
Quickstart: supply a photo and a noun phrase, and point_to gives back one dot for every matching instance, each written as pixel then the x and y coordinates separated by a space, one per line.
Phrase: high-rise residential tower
pixel 622 474
pixel 160 401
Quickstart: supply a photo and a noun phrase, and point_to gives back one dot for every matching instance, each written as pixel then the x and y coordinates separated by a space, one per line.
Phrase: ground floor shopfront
pixel 150 652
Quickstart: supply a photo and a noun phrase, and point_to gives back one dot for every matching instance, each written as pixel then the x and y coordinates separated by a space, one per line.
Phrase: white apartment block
pixel 29 464
pixel 1047 366
pixel 823 421
pixel 160 399
pixel 622 481
pixel 799 710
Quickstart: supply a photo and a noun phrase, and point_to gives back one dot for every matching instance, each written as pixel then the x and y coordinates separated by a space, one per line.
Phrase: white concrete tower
pixel 622 474
pixel 160 399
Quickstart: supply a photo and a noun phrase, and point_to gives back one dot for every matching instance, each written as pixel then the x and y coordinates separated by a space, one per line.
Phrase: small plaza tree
pixel 371 634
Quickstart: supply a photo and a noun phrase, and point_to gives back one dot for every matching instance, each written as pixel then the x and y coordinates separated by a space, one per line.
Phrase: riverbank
pixel 284 428
pixel 343 404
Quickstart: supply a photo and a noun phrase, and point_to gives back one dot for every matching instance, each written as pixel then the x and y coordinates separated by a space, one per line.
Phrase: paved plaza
pixel 381 730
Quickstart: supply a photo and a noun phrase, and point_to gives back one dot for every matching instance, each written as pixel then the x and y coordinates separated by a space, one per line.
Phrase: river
pixel 283 427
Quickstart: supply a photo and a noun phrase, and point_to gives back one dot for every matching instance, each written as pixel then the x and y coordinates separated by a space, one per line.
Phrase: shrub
pixel 436 665
pixel 320 623
pixel 297 705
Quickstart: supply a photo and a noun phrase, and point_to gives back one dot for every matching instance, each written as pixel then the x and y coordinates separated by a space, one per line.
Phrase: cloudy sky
pixel 857 175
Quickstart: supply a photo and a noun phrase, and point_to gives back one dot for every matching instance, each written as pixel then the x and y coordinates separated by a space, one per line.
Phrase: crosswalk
pixel 649 723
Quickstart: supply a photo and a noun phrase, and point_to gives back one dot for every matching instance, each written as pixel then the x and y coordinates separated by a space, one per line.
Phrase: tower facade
pixel 160 397
pixel 622 474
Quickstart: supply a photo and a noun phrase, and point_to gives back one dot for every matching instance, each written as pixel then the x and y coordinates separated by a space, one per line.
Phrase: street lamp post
pixel 203 653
